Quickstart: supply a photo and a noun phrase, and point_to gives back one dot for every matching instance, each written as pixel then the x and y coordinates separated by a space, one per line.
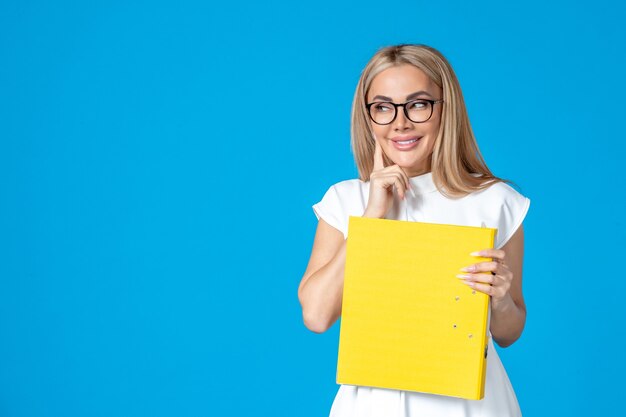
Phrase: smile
pixel 406 144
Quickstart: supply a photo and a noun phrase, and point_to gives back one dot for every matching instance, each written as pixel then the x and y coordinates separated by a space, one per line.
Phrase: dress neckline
pixel 422 184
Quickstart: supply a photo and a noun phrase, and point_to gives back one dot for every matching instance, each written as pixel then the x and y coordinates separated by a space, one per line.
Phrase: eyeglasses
pixel 417 111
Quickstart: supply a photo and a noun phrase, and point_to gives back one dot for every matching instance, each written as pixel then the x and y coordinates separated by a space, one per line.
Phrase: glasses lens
pixel 419 110
pixel 382 113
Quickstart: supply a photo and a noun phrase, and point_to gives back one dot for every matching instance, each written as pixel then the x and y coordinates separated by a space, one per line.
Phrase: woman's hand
pixel 382 181
pixel 497 283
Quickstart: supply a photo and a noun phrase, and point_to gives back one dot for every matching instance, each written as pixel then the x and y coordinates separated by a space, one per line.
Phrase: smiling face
pixel 400 84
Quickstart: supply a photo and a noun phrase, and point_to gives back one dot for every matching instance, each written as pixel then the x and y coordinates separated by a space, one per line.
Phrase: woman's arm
pixel 321 289
pixel 502 280
pixel 508 314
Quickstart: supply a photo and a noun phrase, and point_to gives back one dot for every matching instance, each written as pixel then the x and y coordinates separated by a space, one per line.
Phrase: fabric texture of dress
pixel 498 206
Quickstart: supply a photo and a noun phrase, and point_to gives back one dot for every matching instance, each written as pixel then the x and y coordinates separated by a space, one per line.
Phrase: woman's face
pixel 400 84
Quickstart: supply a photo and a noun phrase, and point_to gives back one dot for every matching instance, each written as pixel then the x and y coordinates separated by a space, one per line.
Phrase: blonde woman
pixel 418 160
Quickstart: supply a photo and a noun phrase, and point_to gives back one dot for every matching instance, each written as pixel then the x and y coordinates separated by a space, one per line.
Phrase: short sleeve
pixel 512 213
pixel 331 210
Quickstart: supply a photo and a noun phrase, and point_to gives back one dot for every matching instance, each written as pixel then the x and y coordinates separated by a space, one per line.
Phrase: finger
pixel 487 279
pixel 490 253
pixel 484 288
pixel 404 175
pixel 482 267
pixel 397 174
pixel 378 157
pixel 400 186
pixel 391 179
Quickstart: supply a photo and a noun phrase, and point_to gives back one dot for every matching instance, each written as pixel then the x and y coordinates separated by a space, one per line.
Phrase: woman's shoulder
pixel 501 206
pixel 500 191
pixel 349 186
pixel 341 200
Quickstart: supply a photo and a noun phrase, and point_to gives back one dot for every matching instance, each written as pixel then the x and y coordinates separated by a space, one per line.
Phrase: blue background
pixel 159 161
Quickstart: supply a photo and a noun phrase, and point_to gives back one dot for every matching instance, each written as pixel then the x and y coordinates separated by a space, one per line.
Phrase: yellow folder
pixel 408 323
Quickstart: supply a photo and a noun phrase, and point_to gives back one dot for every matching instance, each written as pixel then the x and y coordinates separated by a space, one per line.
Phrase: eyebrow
pixel 409 97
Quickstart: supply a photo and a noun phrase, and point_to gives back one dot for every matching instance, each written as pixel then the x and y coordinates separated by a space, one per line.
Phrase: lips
pixel 404 143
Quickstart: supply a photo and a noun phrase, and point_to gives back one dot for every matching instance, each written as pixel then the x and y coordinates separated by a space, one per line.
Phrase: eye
pixel 418 105
pixel 382 107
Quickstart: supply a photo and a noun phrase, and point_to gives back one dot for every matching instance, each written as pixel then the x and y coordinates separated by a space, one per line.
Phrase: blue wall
pixel 159 161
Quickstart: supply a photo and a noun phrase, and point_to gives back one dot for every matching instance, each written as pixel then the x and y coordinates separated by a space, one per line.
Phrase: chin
pixel 408 163
pixel 413 167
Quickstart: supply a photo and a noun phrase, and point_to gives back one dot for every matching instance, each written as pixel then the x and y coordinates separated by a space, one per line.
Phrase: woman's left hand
pixel 497 282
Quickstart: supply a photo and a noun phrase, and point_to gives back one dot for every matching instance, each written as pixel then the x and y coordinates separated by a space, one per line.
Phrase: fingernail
pixel 479 253
pixel 467 269
pixel 462 276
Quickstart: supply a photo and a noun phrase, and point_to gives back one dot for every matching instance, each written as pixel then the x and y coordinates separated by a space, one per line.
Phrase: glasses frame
pixel 403 105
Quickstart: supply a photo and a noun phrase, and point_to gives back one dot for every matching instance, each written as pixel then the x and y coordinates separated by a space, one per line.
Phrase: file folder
pixel 408 323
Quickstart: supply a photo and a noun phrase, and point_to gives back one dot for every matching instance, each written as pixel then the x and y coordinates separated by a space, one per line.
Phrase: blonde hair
pixel 455 155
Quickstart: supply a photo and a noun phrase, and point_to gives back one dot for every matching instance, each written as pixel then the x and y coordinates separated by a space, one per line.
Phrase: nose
pixel 401 122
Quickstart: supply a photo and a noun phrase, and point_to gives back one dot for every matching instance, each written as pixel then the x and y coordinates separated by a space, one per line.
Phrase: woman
pixel 418 161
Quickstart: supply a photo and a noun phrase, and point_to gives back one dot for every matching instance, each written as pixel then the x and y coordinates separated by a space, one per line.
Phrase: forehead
pixel 399 81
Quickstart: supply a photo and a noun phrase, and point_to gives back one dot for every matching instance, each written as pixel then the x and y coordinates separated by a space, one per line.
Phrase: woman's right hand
pixel 382 181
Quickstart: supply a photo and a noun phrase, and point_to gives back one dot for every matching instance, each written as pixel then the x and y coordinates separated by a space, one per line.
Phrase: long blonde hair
pixel 455 155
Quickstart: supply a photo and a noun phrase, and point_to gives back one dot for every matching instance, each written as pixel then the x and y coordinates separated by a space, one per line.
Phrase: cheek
pixel 378 131
pixel 433 129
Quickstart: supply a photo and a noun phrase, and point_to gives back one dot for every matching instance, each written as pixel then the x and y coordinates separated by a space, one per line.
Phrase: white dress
pixel 499 206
